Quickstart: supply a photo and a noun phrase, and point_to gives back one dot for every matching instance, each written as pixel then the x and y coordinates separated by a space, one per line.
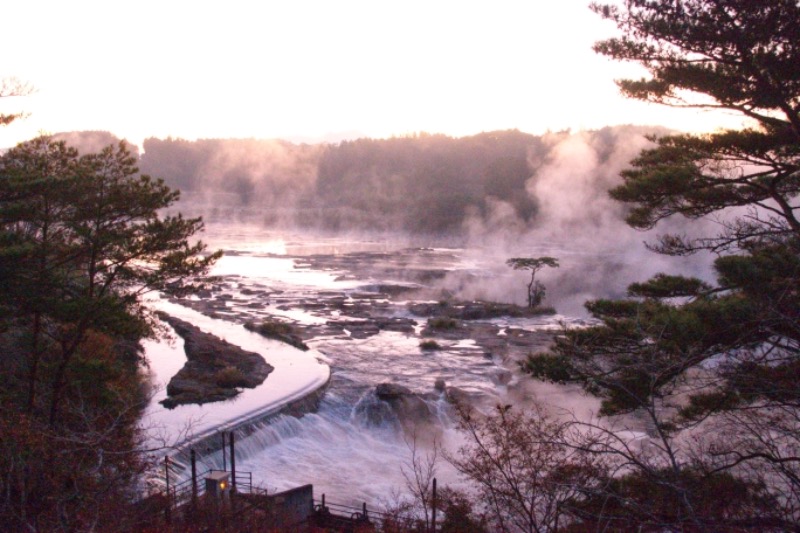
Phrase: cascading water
pixel 348 455
pixel 355 447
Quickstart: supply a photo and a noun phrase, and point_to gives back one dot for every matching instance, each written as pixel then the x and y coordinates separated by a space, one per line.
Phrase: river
pixel 353 298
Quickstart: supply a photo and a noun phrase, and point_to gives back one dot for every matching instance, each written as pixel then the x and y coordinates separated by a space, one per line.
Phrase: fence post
pixel 168 511
pixel 224 462
pixel 433 505
pixel 233 464
pixel 193 458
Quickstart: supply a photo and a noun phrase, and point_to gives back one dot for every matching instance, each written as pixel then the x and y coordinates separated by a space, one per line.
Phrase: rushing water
pixel 353 448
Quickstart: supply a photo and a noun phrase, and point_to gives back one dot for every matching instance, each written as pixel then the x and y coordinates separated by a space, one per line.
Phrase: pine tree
pixel 82 238
pixel 692 356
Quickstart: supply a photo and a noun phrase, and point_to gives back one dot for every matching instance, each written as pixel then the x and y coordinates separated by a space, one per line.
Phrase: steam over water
pixel 354 448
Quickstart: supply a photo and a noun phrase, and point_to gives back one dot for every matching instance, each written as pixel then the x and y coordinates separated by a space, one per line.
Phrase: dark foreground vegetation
pixel 80 242
pixel 711 368
pixel 700 422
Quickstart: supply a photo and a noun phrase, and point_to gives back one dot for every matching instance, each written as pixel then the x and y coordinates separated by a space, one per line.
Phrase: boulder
pixel 411 408
pixel 458 397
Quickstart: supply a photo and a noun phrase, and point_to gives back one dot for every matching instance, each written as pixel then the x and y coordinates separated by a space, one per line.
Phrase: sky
pixel 317 70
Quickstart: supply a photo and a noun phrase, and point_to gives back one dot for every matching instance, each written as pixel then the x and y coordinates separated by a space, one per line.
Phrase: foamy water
pixel 296 374
pixel 351 457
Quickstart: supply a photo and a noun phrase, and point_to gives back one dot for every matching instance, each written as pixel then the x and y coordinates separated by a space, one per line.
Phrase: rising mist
pixel 496 194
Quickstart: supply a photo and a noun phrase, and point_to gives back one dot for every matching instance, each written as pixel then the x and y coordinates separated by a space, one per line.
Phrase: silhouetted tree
pixel 10 87
pixel 528 474
pixel 686 354
pixel 536 289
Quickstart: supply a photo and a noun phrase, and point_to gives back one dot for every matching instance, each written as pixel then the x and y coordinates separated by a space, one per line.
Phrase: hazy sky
pixel 316 69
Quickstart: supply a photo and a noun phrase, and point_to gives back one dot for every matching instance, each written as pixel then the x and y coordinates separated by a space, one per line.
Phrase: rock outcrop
pixel 410 408
pixel 279 331
pixel 475 310
pixel 216 369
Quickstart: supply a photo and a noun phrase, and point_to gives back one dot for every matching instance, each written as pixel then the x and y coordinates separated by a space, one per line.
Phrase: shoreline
pixel 296 386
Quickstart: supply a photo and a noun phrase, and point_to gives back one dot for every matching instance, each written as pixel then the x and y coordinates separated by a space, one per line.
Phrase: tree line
pixel 421 183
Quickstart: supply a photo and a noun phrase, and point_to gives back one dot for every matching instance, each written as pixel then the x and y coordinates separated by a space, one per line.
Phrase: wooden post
pixel 433 506
pixel 193 458
pixel 233 464
pixel 224 463
pixel 168 511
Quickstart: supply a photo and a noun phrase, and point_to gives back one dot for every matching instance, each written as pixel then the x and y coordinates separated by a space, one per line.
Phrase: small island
pixel 216 370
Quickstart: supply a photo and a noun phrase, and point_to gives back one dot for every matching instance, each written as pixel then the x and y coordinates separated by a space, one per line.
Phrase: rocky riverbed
pixel 366 309
pixel 374 294
pixel 398 344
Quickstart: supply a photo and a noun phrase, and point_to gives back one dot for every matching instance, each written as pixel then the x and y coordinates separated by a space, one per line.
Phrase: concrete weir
pixel 209 441
pixel 294 387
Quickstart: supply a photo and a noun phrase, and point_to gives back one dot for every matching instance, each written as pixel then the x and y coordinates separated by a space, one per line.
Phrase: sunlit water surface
pixel 344 449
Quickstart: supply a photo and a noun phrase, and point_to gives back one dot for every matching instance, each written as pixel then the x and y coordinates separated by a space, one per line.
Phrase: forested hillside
pixel 423 184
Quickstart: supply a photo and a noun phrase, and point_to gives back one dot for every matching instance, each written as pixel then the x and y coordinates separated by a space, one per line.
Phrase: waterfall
pixel 354 447
pixel 348 456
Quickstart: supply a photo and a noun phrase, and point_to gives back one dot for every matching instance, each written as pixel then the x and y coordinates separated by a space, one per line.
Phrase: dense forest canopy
pixel 422 184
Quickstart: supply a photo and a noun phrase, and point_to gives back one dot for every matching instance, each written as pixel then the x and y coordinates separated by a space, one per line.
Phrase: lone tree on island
pixel 536 289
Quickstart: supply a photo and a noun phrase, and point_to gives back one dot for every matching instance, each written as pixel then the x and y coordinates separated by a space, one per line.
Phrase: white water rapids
pixel 353 448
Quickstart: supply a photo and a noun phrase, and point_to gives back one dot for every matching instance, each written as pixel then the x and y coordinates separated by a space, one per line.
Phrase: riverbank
pixel 294 386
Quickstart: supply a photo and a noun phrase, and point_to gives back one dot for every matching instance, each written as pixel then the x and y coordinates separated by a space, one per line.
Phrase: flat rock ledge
pixel 279 331
pixel 476 310
pixel 216 370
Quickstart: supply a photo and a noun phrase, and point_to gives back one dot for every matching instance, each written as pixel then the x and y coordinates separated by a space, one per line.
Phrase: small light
pixel 222 485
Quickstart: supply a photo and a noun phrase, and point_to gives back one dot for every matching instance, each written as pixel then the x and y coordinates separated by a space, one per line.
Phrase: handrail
pixel 243 482
pixel 359 514
pixel 183 491
pixel 326 512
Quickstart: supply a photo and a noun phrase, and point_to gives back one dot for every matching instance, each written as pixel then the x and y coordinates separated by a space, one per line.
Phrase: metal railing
pixel 188 488
pixel 346 517
pixel 244 500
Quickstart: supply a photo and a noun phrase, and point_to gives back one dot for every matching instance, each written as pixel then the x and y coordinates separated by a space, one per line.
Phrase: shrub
pixel 230 377
pixel 273 328
pixel 460 514
pixel 442 323
pixel 429 345
pixel 279 331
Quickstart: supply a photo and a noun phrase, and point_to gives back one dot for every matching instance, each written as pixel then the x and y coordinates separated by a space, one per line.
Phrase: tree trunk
pixel 33 369
pixel 530 288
